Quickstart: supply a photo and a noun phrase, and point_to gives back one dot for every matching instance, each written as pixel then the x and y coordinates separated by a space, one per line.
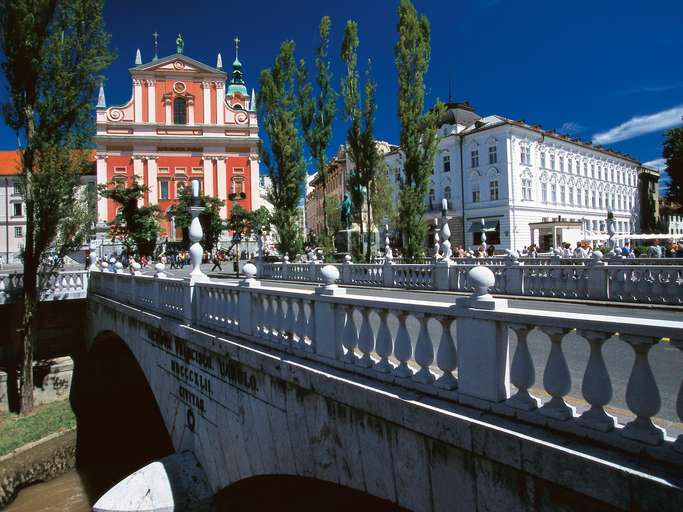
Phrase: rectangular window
pixel 562 163
pixel 238 170
pixel 163 170
pixel 475 192
pixel 475 158
pixel 163 189
pixel 525 155
pixel 585 197
pixel 180 170
pixel 179 187
pixel 542 159
pixel 16 188
pixel 571 196
pixel 552 161
pixel 526 189
pixel 18 232
pixel 197 170
pixel 493 189
pixel 544 192
pixel 237 186
pixel 563 199
pixel 592 170
pixel 569 166
pixel 593 199
pixel 119 170
pixel 493 155
pixel 446 163
pixel 553 193
pixel 17 207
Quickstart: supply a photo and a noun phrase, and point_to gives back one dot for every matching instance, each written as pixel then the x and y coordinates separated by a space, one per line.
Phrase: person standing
pixel 655 250
pixel 236 264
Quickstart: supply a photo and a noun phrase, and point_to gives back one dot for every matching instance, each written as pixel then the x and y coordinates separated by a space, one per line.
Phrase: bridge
pixel 409 404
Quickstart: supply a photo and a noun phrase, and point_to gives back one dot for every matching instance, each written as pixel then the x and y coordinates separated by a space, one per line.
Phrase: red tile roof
pixel 10 161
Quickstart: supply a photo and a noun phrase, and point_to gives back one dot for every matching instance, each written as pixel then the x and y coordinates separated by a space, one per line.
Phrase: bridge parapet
pixel 65 285
pixel 457 352
pixel 656 281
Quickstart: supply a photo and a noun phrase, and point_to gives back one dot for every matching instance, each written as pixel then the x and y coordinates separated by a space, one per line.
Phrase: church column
pixel 139 174
pixel 222 191
pixel 167 111
pixel 151 101
pixel 206 88
pixel 190 111
pixel 101 180
pixel 152 179
pixel 208 176
pixel 137 94
pixel 254 178
pixel 220 101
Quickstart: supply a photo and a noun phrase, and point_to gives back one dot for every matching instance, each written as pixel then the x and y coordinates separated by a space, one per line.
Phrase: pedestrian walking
pixel 216 260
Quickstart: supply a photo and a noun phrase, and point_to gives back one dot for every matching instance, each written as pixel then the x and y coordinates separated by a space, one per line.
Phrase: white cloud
pixel 570 127
pixel 637 126
pixel 659 164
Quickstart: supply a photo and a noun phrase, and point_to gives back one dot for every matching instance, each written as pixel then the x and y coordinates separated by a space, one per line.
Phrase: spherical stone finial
pixel 286 258
pixel 597 256
pixel 481 279
pixel 249 270
pixel 136 266
pixel 347 258
pixel 104 265
pixel 330 274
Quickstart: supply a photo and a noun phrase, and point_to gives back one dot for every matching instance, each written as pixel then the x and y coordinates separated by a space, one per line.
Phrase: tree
pixel 361 143
pixel 418 130
pixel 137 227
pixel 53 54
pixel 249 223
pixel 286 168
pixel 673 153
pixel 210 217
pixel 317 114
pixel 382 195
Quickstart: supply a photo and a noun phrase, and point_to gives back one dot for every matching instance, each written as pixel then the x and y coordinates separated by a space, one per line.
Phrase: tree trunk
pixel 326 228
pixel 28 337
pixel 369 250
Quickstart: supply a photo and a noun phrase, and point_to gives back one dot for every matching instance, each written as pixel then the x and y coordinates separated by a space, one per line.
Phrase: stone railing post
pixel 325 315
pixel 597 278
pixel 514 276
pixel 285 268
pixel 441 274
pixel 188 305
pixel 156 288
pixel 388 271
pixel 346 270
pixel 313 270
pixel 483 345
pixel 247 319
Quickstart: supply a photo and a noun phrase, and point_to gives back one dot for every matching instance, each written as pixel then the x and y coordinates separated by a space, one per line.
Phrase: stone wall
pixel 51 378
pixel 36 462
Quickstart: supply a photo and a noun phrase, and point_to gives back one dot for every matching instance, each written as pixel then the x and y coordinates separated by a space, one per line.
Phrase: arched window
pixel 447 193
pixel 179 111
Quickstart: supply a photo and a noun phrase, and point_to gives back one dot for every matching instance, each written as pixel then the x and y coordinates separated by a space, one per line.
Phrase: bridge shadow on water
pixel 120 427
pixel 293 493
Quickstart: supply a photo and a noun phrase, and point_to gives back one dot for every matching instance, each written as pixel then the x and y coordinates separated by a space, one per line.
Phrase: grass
pixel 16 431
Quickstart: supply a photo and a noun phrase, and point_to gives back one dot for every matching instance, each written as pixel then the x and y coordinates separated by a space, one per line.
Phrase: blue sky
pixel 606 70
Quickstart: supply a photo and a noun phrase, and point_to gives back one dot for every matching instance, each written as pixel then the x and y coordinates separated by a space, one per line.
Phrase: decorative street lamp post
pixel 196 234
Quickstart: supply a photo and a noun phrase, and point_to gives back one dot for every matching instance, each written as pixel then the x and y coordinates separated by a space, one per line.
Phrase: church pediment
pixel 178 63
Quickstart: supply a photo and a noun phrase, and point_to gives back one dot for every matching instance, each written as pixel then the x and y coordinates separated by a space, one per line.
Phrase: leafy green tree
pixel 361 143
pixel 210 217
pixel 249 223
pixel 673 153
pixel 286 168
pixel 382 195
pixel 418 129
pixel 318 113
pixel 137 227
pixel 53 53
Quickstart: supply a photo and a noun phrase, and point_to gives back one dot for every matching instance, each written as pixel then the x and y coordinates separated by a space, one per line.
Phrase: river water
pixel 66 493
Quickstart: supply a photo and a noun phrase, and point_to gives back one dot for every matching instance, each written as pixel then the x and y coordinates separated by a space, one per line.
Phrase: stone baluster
pixel 424 352
pixel 282 319
pixel 300 326
pixel 274 319
pixel 291 320
pixel 403 349
pixel 642 394
pixel 237 316
pixel 596 386
pixel 383 344
pixel 266 318
pixel 446 356
pixel 678 445
pixel 366 339
pixel 522 372
pixel 3 292
pixel 556 378
pixel 310 326
pixel 258 314
pixel 349 335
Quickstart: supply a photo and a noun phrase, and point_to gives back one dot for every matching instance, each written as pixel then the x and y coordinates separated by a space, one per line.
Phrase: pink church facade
pixel 181 124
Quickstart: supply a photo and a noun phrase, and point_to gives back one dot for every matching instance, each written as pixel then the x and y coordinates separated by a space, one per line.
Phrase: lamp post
pixel 196 234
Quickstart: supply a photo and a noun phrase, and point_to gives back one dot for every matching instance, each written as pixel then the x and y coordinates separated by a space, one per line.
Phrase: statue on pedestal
pixel 346 212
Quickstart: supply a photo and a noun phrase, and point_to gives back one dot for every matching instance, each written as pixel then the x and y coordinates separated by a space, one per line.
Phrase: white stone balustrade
pixel 454 351
pixel 617 280
pixel 64 285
